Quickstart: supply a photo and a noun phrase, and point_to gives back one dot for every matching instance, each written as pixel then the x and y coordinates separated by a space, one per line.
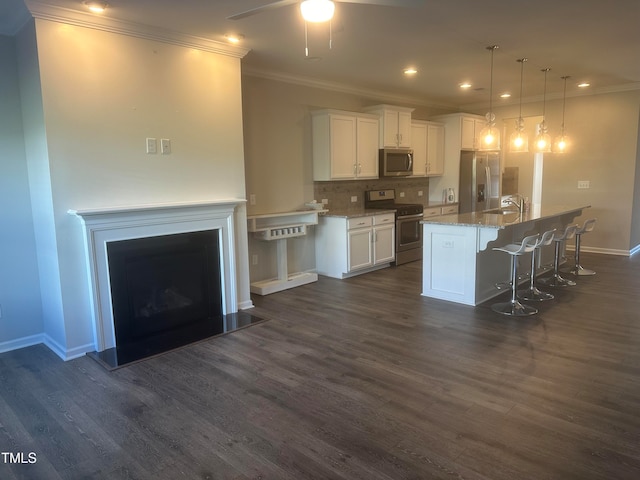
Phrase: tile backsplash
pixel 339 193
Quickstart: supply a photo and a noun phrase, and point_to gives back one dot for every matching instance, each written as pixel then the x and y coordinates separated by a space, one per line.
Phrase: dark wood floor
pixel 354 379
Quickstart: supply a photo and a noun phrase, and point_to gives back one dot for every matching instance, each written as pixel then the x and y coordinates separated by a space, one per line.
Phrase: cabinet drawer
pixel 431 212
pixel 359 222
pixel 387 218
pixel 450 209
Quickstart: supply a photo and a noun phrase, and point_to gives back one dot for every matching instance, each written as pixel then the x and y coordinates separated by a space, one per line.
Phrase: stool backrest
pixel 569 232
pixel 588 226
pixel 546 238
pixel 529 243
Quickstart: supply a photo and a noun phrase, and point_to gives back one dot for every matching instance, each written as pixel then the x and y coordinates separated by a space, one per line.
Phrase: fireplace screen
pixel 165 284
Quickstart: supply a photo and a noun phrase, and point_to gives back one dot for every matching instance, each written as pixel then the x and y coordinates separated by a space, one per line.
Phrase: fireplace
pixel 108 233
pixel 162 285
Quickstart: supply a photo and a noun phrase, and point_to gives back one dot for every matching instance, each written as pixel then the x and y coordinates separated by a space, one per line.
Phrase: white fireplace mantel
pixel 109 224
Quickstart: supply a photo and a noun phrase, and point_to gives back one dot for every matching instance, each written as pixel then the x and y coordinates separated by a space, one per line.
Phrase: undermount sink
pixel 501 211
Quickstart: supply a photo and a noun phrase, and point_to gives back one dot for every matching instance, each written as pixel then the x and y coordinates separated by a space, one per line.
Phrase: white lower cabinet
pixel 351 246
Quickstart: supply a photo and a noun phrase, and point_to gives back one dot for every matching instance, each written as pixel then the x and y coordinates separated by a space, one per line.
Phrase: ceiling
pixel 445 40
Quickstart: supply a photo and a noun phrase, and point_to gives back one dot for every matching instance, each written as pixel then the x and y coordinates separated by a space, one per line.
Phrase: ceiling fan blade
pixel 268 6
pixel 387 3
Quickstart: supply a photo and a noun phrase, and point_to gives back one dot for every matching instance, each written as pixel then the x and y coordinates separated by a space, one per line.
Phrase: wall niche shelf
pixel 279 227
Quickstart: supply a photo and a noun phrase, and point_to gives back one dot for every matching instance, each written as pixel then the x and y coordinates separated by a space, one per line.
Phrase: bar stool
pixel 513 306
pixel 588 226
pixel 556 280
pixel 532 293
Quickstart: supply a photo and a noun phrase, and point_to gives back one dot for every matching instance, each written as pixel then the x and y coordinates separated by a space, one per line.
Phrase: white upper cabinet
pixel 427 140
pixel 345 145
pixel 395 125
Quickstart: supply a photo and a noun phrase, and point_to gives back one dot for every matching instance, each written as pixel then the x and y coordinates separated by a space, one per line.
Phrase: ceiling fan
pixel 325 6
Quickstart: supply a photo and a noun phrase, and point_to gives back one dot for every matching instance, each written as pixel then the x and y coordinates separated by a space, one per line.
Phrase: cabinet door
pixel 343 146
pixel 367 148
pixel 384 249
pixel 435 150
pixel 359 249
pixel 419 145
pixel 404 129
pixel 390 128
pixel 468 136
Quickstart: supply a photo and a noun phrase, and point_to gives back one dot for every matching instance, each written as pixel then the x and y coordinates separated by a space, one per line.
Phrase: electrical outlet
pixel 420 193
pixel 354 199
pixel 584 184
pixel 252 199
pixel 254 259
pixel 325 201
pixel 401 194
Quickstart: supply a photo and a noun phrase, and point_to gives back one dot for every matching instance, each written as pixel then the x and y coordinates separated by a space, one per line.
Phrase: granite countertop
pixel 357 212
pixel 499 220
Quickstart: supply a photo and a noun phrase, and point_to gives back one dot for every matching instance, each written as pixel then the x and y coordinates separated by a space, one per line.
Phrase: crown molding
pixel 379 95
pixel 588 92
pixel 80 19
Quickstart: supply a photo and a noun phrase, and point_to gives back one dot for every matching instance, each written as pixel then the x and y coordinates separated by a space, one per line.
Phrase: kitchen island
pixel 459 263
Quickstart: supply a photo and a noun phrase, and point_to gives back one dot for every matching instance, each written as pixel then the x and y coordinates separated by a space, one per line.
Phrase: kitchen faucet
pixel 519 205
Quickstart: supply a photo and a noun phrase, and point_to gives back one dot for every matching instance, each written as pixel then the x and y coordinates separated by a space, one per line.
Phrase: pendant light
pixel 519 140
pixel 490 135
pixel 562 142
pixel 543 140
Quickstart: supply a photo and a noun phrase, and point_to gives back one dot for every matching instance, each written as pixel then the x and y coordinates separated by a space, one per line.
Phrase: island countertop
pixel 503 220
pixel 459 261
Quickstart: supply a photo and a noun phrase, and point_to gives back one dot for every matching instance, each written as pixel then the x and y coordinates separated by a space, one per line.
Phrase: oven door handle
pixel 410 217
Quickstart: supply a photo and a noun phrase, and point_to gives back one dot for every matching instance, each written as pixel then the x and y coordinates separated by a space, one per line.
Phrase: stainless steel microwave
pixel 396 162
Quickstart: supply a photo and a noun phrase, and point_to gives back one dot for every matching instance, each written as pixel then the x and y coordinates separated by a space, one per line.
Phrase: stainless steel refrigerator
pixel 479 181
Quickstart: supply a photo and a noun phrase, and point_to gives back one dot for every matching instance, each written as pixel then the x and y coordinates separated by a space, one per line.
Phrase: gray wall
pixel 21 323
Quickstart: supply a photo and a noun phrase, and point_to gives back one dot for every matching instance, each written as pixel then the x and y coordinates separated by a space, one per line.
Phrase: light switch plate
pixel 165 146
pixel 354 199
pixel 151 145
pixel 584 184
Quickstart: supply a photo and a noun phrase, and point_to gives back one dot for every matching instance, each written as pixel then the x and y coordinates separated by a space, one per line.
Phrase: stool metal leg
pixel 578 269
pixel 556 280
pixel 513 306
pixel 532 293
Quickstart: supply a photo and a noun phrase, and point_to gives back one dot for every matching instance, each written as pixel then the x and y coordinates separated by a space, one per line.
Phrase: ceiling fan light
pixel 317 11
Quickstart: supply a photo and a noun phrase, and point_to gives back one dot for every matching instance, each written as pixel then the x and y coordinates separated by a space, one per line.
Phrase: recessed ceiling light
pixel 95 6
pixel 234 37
pixel 410 71
pixel 505 95
pixel 584 84
pixel 465 85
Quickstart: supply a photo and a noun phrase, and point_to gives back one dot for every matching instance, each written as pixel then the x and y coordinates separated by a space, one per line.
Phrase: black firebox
pixel 163 285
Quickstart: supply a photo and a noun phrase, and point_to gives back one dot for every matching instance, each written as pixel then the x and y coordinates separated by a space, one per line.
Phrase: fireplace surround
pixel 103 227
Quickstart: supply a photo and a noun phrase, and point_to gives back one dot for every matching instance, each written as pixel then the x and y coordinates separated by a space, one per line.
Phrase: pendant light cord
pixel 522 60
pixel 544 94
pixel 493 48
pixel 564 102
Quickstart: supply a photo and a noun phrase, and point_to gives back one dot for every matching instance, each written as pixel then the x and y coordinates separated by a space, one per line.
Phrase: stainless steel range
pixel 408 227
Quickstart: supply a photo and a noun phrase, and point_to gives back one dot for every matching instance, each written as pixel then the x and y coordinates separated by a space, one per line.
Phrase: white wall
pixel 102 94
pixel 21 322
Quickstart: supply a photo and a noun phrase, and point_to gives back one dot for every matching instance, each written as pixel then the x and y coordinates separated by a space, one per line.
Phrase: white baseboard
pixel 65 354
pixel 605 251
pixel 23 342
pixel 245 305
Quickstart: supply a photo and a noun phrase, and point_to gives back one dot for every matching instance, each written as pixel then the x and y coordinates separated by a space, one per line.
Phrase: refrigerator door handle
pixel 488 174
